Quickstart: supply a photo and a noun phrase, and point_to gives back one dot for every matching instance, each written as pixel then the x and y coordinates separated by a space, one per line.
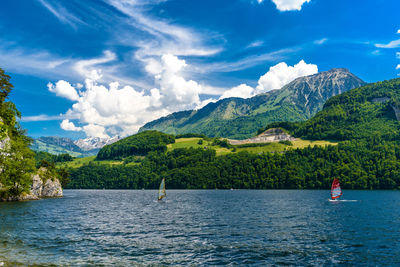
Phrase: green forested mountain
pixel 241 118
pixel 136 145
pixel 369 111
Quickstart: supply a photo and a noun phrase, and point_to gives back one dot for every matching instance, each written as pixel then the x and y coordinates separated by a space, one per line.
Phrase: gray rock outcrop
pixel 43 186
pixel 270 135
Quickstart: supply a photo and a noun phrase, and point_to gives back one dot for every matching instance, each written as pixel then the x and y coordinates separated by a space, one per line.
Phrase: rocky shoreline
pixel 42 187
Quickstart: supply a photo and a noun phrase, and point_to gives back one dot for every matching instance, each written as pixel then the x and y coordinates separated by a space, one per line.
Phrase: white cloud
pixel 321 41
pixel 398 67
pixel 42 117
pixel 392 44
pixel 243 91
pixel 282 74
pixel 64 89
pixel 69 126
pixel 86 67
pixel 246 62
pixel 62 14
pixel 398 31
pixel 288 5
pixel 92 130
pixel 255 44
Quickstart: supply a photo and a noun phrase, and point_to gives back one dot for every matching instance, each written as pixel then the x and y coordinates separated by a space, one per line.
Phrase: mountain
pixel 78 148
pixel 92 143
pixel 240 118
pixel 370 111
pixel 58 145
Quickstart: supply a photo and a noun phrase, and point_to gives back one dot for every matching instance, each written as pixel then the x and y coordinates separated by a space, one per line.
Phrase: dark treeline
pixel 367 164
pixel 136 145
pixel 45 156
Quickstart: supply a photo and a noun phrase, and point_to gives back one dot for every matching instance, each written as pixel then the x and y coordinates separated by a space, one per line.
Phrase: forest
pixel 367 164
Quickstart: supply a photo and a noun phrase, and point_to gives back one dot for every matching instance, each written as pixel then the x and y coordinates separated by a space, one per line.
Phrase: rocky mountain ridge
pixel 91 143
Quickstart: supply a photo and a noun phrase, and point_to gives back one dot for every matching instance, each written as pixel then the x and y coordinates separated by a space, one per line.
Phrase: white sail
pixel 161 190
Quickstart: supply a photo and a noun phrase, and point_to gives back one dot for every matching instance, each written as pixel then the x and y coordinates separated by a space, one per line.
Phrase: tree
pixel 5 85
pixel 17 166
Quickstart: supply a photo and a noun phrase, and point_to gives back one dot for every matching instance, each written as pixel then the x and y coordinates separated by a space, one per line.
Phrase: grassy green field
pixel 78 162
pixel 193 142
pixel 270 147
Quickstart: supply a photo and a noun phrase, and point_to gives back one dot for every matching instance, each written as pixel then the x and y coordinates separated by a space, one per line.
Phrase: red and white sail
pixel 336 191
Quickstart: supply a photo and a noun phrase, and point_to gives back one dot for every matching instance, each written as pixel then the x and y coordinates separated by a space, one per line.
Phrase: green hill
pixel 136 145
pixel 240 118
pixel 365 112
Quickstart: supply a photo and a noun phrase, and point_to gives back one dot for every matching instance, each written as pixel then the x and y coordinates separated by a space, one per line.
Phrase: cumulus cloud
pixel 281 74
pixel 69 126
pixel 288 5
pixel 104 110
pixel 398 31
pixel 64 89
pixel 95 131
pixel 398 67
pixel 243 91
pixel 392 44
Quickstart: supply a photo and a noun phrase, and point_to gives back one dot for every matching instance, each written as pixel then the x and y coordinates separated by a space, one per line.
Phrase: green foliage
pixel 40 156
pixel 252 145
pixel 139 144
pixel 221 142
pixel 286 142
pixel 5 86
pixel 17 166
pixel 189 135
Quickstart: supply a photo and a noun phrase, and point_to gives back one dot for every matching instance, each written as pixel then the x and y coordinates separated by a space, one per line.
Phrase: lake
pixel 203 227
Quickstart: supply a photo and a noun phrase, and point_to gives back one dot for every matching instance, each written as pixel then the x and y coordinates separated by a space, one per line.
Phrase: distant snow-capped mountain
pixel 78 148
pixel 91 143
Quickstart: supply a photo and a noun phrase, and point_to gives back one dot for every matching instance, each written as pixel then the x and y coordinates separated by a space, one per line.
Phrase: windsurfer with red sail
pixel 336 191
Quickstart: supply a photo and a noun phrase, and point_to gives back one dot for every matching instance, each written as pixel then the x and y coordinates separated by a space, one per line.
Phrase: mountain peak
pixel 339 70
pixel 91 143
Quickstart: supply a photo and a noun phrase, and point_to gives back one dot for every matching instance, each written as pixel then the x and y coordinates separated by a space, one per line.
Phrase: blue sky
pixel 106 67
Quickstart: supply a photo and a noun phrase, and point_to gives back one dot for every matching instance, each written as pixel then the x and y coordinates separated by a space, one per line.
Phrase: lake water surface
pixel 205 227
